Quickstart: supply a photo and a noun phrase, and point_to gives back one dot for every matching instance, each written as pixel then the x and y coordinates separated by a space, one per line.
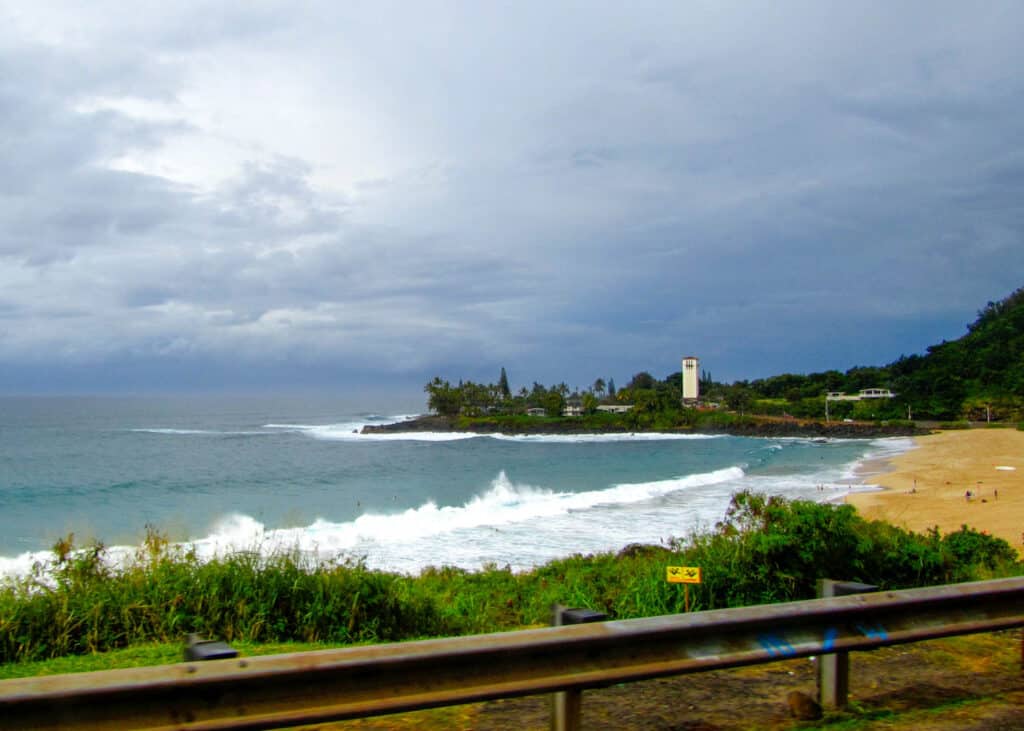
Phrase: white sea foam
pixel 352 431
pixel 187 432
pixel 41 563
pixel 503 504
pixel 22 564
pixel 347 432
pixel 603 437
pixel 878 449
pixel 534 524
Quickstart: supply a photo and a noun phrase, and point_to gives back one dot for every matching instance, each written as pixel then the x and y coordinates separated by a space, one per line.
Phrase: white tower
pixel 691 378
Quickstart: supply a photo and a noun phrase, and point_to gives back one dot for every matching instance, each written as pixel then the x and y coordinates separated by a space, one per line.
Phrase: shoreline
pixel 927 486
pixel 752 427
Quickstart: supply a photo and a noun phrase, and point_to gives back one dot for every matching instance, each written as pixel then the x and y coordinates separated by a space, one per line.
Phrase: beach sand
pixel 926 486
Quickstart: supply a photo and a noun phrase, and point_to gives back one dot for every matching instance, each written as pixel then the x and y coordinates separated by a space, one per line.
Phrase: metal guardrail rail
pixel 311 687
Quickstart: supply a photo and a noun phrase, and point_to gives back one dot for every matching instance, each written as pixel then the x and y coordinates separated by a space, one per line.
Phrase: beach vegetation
pixel 553 403
pixel 642 381
pixel 766 549
pixel 443 398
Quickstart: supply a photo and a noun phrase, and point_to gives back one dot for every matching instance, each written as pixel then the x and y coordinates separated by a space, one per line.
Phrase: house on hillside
pixel 865 393
pixel 573 409
pixel 615 408
pixel 877 393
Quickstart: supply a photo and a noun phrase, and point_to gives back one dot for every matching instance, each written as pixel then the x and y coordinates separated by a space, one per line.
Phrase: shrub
pixel 972 549
pixel 164 594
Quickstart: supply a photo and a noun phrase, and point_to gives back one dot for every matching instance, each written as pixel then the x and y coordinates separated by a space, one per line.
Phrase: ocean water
pixel 268 474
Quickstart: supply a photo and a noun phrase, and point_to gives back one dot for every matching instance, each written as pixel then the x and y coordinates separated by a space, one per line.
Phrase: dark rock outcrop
pixel 802 706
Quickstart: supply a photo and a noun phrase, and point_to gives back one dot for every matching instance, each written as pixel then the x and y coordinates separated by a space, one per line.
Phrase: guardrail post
pixel 199 649
pixel 834 668
pixel 567 706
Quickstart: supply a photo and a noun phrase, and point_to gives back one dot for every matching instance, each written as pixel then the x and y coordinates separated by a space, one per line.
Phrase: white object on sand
pixel 1004 468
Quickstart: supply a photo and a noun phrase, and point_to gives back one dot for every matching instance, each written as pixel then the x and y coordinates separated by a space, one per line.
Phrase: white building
pixel 615 408
pixel 865 393
pixel 691 378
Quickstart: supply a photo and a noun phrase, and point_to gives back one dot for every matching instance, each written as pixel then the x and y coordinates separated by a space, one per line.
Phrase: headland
pixel 750 426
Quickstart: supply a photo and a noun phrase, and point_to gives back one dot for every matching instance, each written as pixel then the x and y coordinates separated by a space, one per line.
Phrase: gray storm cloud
pixel 572 191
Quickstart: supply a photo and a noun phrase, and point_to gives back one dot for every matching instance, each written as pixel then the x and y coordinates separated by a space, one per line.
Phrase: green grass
pixel 143 655
pixel 856 718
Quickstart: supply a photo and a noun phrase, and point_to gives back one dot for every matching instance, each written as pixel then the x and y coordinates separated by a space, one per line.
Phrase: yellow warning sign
pixel 683 574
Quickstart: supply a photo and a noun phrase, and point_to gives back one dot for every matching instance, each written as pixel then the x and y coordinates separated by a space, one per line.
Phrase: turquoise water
pixel 270 473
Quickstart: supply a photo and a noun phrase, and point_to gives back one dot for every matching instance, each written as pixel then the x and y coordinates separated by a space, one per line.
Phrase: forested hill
pixel 978 376
pixel 983 368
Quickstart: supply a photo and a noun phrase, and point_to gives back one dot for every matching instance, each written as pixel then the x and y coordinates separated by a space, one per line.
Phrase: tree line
pixel 979 376
pixel 477 399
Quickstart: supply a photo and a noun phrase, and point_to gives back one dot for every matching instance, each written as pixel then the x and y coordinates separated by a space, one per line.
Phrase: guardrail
pixel 313 687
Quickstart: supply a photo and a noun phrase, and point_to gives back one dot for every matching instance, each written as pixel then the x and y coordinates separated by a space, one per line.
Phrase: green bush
pixel 980 550
pixel 902 423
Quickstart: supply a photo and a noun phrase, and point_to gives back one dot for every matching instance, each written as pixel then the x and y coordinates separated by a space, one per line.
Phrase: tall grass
pixel 166 592
pixel 766 549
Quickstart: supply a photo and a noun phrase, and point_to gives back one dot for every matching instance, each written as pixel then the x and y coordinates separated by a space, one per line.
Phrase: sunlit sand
pixel 928 486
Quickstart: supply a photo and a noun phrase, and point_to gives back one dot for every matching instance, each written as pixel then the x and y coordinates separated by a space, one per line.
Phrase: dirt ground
pixel 962 684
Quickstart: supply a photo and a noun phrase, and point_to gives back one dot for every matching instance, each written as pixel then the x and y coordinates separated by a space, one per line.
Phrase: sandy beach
pixel 928 485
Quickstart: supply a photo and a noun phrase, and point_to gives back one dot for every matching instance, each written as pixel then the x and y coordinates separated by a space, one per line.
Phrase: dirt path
pixel 960 683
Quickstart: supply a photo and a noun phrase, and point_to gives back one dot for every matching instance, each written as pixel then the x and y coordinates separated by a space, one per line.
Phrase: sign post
pixel 684 575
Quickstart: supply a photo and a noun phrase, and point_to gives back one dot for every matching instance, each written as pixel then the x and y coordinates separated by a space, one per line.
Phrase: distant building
pixel 691 378
pixel 866 393
pixel 877 393
pixel 615 408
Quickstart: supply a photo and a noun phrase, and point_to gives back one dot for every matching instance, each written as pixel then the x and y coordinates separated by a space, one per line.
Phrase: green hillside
pixel 977 377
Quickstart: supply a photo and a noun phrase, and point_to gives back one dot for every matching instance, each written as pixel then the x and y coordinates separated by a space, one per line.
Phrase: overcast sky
pixel 354 195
